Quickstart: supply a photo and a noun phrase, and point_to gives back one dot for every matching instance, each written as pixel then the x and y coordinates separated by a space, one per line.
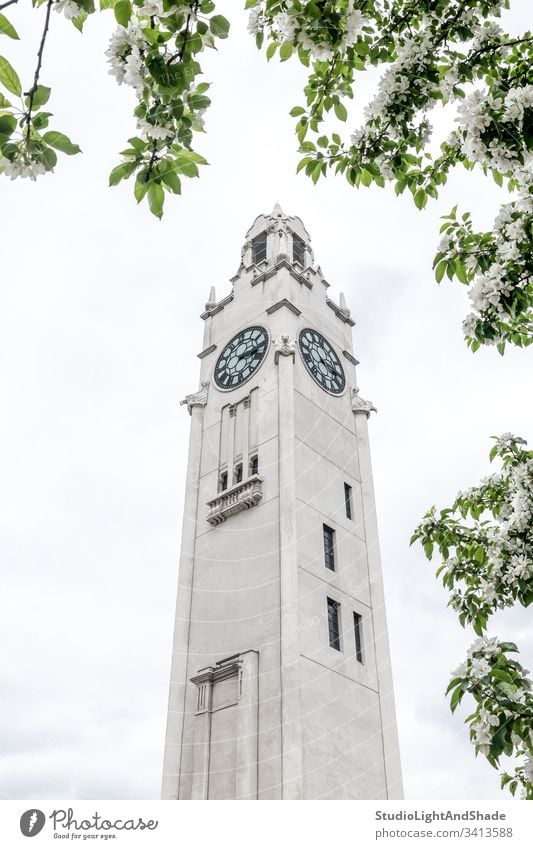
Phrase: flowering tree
pixel 433 53
pixel 485 541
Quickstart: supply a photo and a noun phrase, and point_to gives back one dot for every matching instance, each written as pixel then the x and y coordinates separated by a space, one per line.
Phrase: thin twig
pixel 31 93
pixel 9 3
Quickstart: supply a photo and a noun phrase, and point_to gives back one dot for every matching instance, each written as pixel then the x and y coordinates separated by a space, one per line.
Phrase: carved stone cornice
pixel 283 303
pixel 196 399
pixel 341 312
pixel 284 346
pixel 361 405
pixel 304 279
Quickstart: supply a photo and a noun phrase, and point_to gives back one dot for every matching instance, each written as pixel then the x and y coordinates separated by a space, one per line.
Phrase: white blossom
pixel 20 168
pixel 69 8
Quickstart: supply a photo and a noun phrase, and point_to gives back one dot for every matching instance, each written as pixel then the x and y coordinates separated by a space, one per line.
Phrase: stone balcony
pixel 242 496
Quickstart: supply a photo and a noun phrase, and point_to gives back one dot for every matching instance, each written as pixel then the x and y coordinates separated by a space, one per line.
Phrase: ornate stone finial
pixel 343 306
pixel 284 346
pixel 360 405
pixel 212 302
pixel 277 212
pixel 196 399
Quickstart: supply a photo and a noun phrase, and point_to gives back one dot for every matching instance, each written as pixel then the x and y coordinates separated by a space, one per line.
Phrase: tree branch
pixel 9 3
pixel 31 93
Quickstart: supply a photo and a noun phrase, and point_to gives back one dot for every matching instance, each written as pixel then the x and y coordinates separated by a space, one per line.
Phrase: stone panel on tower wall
pixel 343 750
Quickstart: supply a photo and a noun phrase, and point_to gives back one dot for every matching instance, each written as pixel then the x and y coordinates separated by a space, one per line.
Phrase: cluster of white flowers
pixel 69 8
pixel 508 543
pixel 154 131
pixel 155 9
pixel 477 667
pixel 479 115
pixel 512 237
pixel 483 726
pixel 21 168
pixel 290 27
pixel 256 20
pixel 126 57
pixel 486 32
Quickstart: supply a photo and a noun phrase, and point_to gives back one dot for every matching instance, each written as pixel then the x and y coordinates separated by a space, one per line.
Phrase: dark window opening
pixel 238 473
pixel 223 481
pixel 333 624
pixel 259 247
pixel 358 632
pixel 329 548
pixel 298 250
pixel 348 500
pixel 254 465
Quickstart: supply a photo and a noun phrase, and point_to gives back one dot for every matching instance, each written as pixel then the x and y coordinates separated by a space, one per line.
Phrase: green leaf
pixel 340 111
pixel 107 4
pixel 456 698
pixel 271 49
pixel 48 158
pixel 460 272
pixel 123 12
pixel 439 270
pixel 171 179
pixel 40 97
pixel 420 198
pixel 9 77
pixel 141 186
pixel 286 50
pixel 79 20
pixel 6 28
pixel 125 169
pixel 8 124
pixel 156 199
pixel 40 120
pixel 61 142
pixel 219 26
pixel 296 111
pixel 4 101
pixel 428 549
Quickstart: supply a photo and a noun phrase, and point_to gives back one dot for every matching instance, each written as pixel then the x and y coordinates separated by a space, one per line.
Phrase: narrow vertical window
pixel 238 473
pixel 254 465
pixel 333 624
pixel 358 633
pixel 223 482
pixel 298 250
pixel 348 500
pixel 259 247
pixel 329 547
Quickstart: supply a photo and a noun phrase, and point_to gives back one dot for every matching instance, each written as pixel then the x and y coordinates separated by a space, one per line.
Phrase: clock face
pixel 241 357
pixel 322 361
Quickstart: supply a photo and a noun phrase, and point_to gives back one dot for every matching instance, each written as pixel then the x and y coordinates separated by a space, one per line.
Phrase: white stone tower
pixel 281 684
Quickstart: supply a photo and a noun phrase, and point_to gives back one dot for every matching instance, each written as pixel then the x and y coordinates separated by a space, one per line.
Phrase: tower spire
pixel 277 210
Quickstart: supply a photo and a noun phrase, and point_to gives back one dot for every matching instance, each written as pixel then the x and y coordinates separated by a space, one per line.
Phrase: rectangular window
pixel 358 633
pixel 223 482
pixel 298 250
pixel 348 500
pixel 259 247
pixel 333 624
pixel 329 548
pixel 254 465
pixel 238 473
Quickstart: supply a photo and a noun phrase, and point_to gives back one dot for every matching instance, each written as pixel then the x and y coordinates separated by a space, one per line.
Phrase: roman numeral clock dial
pixel 241 357
pixel 321 361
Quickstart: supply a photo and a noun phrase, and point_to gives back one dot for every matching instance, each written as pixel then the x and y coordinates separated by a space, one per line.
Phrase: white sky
pixel 99 332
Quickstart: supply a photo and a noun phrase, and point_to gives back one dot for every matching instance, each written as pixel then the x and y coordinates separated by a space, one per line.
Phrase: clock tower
pixel 281 683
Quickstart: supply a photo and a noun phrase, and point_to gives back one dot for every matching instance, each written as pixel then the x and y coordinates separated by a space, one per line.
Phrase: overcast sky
pixel 99 332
